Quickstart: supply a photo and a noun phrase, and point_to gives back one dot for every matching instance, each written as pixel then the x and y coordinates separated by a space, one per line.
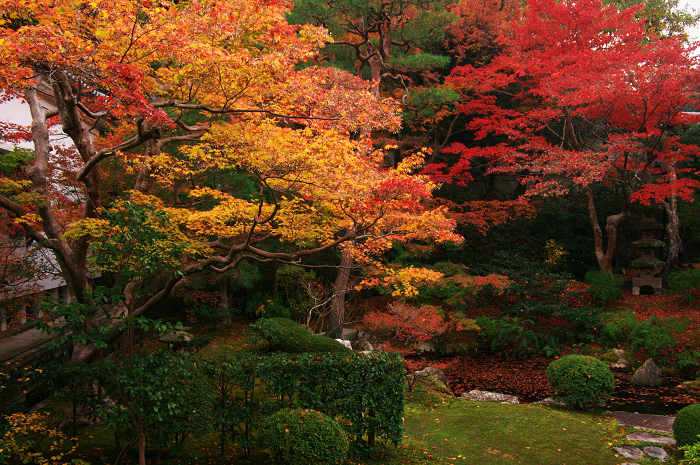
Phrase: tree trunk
pixel 223 291
pixel 340 288
pixel 604 253
pixel 674 242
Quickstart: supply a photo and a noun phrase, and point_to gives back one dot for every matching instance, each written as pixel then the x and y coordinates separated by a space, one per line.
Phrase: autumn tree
pixel 431 116
pixel 582 95
pixel 175 91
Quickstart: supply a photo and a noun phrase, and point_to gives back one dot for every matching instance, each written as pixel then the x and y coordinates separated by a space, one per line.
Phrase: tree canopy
pixel 582 94
pixel 184 96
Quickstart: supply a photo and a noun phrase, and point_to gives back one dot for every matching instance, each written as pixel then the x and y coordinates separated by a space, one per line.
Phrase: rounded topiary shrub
pixel 303 437
pixel 686 426
pixel 581 381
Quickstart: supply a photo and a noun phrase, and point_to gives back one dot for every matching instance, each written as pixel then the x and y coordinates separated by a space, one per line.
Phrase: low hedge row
pixel 364 394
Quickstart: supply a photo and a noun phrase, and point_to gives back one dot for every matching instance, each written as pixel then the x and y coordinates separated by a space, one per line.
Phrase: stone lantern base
pixel 638 283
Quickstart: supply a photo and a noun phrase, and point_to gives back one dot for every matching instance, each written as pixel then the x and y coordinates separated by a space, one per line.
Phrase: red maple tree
pixel 582 94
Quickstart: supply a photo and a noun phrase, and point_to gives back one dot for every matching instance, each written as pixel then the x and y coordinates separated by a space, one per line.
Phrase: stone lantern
pixel 648 264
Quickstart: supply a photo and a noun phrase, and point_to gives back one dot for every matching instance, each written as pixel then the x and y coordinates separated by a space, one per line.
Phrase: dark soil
pixel 527 379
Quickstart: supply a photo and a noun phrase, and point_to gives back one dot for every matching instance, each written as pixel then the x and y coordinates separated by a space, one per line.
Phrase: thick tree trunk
pixel 340 288
pixel 604 253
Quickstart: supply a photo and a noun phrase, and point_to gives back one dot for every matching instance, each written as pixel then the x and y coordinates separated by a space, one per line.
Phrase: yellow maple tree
pixel 182 96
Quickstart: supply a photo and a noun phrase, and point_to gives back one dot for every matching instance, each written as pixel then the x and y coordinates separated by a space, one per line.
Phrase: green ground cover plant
pixel 604 286
pixel 685 283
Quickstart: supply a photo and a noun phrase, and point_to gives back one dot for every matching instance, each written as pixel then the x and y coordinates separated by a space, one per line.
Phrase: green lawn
pixel 462 431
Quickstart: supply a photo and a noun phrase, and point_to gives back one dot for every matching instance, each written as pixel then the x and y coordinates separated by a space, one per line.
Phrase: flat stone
pixel 178 337
pixel 653 438
pixel 552 401
pixel 656 452
pixel 487 396
pixel 629 452
pixel 656 423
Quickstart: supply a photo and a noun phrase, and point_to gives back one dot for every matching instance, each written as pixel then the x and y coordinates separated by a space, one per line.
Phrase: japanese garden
pixel 349 232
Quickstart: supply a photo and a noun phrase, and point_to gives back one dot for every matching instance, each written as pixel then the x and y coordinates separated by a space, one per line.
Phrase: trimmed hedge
pixel 284 335
pixel 303 437
pixel 581 381
pixel 686 426
pixel 364 394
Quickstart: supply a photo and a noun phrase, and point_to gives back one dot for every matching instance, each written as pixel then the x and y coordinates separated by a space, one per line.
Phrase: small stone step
pixel 656 452
pixel 650 437
pixel 629 452
pixel 657 423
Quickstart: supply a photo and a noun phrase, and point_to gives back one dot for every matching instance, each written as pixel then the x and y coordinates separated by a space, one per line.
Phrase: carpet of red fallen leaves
pixel 526 378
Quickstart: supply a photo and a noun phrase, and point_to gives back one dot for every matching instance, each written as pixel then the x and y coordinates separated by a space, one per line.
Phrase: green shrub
pixel 654 335
pixel 686 426
pixel 367 393
pixel 303 437
pixel 581 381
pixel 685 283
pixel 618 327
pixel 692 453
pixel 605 287
pixel 508 336
pixel 283 335
pixel 164 392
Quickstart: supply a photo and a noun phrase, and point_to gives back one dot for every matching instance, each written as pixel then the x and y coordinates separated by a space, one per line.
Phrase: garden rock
pixel 426 347
pixel 616 360
pixel 648 374
pixel 176 336
pixel 367 336
pixel 629 452
pixel 178 339
pixel 653 438
pixel 431 379
pixel 656 452
pixel 346 343
pixel 552 401
pixel 362 345
pixel 349 334
pixel 487 396
pixel 692 386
